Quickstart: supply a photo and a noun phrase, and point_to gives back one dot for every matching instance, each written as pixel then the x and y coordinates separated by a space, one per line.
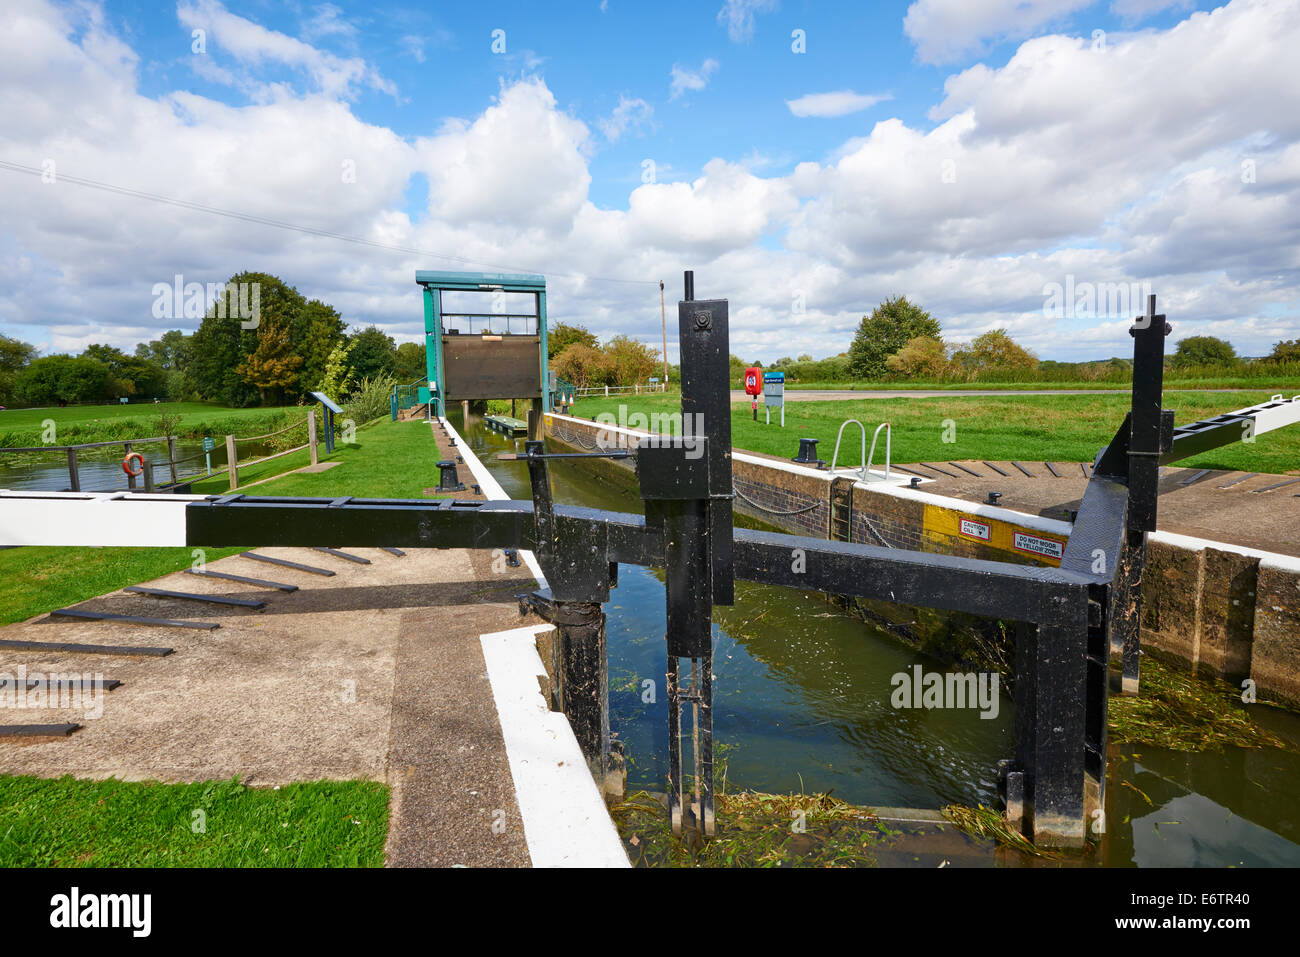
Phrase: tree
pixel 887 330
pixel 222 343
pixel 411 362
pixel 1288 350
pixel 337 382
pixel 61 378
pixel 562 335
pixel 373 354
pixel 273 366
pixel 128 375
pixel 168 350
pixel 226 338
pixel 1203 351
pixel 314 331
pixel 14 357
pixel 631 361
pixel 924 357
pixel 994 349
pixel 582 365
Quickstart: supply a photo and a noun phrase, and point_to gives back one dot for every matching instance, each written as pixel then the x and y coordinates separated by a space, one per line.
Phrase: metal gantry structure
pixel 1072 621
pixel 488 365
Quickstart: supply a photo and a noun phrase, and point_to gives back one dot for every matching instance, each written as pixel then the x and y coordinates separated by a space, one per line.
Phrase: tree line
pixel 296 346
pixel 575 353
pixel 900 341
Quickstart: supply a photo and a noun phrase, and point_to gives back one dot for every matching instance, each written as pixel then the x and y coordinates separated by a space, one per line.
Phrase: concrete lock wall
pixel 1225 611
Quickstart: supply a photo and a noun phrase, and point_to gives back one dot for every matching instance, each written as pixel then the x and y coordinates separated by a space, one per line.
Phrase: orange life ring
pixel 126 464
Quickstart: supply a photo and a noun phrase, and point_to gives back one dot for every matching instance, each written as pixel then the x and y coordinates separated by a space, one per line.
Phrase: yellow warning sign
pixel 1004 536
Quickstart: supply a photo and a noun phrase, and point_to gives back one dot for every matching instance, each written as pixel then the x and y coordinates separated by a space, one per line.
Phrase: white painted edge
pixel 566 823
pixel 1273 559
pixel 492 490
pixel 1025 520
pixel 81 519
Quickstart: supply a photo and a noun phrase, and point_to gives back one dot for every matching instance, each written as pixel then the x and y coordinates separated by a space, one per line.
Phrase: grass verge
pixel 74 823
pixel 1065 428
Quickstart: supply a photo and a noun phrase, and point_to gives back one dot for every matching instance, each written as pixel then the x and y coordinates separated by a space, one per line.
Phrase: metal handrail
pixel 840 435
pixel 872 454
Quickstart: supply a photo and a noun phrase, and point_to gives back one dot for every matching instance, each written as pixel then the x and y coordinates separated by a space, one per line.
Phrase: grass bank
pixel 74 823
pixel 1066 428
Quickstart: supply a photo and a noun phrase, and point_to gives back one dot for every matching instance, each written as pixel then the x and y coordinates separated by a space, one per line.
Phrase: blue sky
pixel 967 153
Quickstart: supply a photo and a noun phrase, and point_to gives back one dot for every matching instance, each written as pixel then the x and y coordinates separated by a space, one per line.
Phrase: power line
pixel 294 227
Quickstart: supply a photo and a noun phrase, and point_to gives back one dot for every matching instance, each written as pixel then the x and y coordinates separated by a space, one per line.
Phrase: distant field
pixel 76 425
pixel 1067 428
pixel 82 414
pixel 1288 384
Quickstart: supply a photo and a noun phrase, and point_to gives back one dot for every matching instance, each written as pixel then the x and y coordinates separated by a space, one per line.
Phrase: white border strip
pixel 1274 559
pixel 492 489
pixel 1023 519
pixel 565 820
pixel 76 518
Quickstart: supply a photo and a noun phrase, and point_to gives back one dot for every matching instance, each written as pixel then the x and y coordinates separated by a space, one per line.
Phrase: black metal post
pixel 1050 724
pixel 1151 433
pixel 580 581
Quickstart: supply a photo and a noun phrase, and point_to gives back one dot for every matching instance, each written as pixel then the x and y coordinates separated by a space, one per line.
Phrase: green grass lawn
pixel 387 460
pixel 1067 428
pixel 72 823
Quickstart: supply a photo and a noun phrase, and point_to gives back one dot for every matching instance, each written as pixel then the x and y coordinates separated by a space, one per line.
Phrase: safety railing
pixel 140 469
pixel 864 469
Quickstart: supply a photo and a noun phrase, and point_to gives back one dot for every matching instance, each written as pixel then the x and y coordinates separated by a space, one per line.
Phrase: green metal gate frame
pixel 435 282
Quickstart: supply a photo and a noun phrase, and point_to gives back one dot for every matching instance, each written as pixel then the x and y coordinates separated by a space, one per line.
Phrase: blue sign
pixel 327 402
pixel 774 388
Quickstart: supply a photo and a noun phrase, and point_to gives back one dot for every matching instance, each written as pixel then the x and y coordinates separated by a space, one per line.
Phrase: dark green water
pixel 802 703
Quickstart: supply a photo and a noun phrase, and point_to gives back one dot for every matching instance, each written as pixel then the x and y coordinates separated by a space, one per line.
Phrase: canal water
pixel 803 704
pixel 100 470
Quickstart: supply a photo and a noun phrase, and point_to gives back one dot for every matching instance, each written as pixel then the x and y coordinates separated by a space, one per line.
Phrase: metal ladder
pixel 840 521
pixel 864 469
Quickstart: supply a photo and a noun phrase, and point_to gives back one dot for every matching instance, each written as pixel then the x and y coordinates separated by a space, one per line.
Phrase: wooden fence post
pixel 74 479
pixel 311 437
pixel 130 479
pixel 171 456
pixel 232 461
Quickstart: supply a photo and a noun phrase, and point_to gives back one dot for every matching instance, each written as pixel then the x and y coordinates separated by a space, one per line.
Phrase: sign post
pixel 208 445
pixel 774 394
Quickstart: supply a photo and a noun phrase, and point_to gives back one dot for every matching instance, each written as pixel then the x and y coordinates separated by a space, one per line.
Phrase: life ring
pixel 126 464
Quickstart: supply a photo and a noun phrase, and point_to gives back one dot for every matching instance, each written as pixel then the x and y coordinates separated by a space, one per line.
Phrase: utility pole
pixel 664 320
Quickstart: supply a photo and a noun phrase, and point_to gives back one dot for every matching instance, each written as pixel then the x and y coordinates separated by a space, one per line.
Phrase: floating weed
pixel 755 830
pixel 985 822
pixel 1186 712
